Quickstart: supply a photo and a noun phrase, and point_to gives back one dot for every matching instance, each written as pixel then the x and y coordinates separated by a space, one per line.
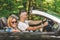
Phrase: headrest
pixel 15 16
pixel 4 19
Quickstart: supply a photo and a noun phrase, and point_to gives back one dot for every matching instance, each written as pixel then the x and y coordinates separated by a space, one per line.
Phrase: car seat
pixel 1 24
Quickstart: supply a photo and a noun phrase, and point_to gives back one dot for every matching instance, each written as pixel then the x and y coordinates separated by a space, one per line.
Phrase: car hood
pixel 54 18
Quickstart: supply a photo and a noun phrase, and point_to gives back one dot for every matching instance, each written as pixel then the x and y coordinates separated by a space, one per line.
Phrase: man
pixel 23 23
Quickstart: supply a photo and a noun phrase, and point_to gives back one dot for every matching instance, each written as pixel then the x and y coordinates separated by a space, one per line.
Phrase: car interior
pixel 51 27
pixel 52 31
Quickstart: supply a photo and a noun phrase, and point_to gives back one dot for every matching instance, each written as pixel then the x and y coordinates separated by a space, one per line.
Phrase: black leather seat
pixel 1 24
pixel 4 20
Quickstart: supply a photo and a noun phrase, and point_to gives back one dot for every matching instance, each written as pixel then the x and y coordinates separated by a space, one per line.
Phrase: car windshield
pixel 53 13
pixel 51 27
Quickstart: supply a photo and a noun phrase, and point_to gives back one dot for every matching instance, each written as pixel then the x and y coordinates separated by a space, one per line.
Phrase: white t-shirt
pixel 23 26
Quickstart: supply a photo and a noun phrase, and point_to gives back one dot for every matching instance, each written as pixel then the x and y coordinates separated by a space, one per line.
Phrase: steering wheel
pixel 49 27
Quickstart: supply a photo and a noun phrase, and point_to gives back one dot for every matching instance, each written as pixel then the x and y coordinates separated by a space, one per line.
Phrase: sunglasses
pixel 14 22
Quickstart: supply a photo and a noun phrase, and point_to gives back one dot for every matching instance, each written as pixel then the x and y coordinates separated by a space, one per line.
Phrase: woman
pixel 12 24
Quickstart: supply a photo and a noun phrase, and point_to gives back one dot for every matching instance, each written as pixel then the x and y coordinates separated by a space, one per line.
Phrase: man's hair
pixel 21 11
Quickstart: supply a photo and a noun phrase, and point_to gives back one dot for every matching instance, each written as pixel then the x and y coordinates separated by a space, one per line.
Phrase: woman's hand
pixel 15 30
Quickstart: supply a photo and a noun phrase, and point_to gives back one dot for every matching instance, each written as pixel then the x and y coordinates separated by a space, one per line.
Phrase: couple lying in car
pixel 21 25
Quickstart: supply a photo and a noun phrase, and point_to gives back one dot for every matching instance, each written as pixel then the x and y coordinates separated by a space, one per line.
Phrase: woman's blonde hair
pixel 9 20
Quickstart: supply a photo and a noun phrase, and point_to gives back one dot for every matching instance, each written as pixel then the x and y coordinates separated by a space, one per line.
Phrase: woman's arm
pixel 12 30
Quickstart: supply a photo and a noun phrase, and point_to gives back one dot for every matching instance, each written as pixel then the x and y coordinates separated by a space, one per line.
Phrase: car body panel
pixel 28 36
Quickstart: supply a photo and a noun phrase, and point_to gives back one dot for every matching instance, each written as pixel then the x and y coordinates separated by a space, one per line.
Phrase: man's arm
pixel 37 27
pixel 34 28
pixel 35 22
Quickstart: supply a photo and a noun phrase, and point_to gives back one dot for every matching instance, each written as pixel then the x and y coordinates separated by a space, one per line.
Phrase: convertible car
pixel 51 35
